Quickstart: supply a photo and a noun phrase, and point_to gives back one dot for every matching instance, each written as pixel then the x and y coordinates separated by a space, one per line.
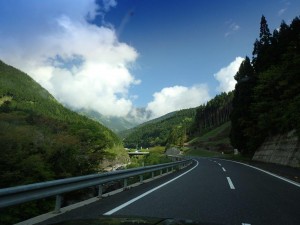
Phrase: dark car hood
pixel 131 221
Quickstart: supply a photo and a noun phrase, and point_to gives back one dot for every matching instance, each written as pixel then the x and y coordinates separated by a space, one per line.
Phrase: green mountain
pixel 116 124
pixel 177 128
pixel 42 140
pixel 157 132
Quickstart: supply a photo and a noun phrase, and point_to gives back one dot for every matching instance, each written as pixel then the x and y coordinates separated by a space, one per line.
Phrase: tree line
pixel 266 99
pixel 212 114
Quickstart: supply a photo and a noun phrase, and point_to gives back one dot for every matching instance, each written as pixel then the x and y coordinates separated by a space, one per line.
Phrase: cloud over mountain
pixel 81 64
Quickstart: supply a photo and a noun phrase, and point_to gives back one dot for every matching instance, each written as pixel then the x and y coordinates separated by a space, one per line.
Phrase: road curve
pixel 212 190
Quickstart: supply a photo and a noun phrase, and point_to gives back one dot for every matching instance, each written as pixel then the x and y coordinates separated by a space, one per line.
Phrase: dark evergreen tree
pixel 268 102
pixel 242 100
pixel 264 35
pixel 261 51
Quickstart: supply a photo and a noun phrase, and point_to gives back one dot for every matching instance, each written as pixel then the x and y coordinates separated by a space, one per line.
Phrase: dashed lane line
pixel 230 183
pixel 267 172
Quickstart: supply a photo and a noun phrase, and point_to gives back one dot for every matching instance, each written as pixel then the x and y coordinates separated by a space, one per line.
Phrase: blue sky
pixel 114 56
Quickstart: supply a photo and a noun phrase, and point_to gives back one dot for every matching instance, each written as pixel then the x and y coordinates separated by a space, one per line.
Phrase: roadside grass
pixel 217 133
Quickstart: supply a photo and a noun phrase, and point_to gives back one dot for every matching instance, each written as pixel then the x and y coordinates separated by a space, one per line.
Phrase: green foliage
pixel 214 113
pixel 42 140
pixel 241 117
pixel 177 128
pixel 214 140
pixel 268 103
pixel 161 131
pixel 156 156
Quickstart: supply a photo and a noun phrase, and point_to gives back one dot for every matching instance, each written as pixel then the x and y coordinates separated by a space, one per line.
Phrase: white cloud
pixel 281 11
pixel 81 64
pixel 108 4
pixel 286 5
pixel 232 27
pixel 170 99
pixel 225 75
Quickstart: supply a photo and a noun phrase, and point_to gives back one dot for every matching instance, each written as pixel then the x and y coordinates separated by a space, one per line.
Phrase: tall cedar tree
pixel 261 52
pixel 242 100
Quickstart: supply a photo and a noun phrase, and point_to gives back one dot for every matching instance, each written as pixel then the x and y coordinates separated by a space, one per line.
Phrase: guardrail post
pixel 160 172
pixel 141 179
pixel 152 174
pixel 125 184
pixel 58 202
pixel 100 190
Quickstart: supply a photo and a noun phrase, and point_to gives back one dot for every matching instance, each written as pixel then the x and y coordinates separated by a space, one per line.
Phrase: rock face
pixel 280 149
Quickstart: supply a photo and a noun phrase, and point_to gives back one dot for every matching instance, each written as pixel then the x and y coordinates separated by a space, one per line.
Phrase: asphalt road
pixel 212 190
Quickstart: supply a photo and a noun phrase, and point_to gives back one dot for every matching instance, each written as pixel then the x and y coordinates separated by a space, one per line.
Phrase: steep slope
pixel 39 138
pixel 215 140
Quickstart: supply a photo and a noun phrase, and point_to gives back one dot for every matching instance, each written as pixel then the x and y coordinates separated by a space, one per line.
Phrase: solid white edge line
pixel 269 173
pixel 147 193
pixel 223 169
pixel 230 183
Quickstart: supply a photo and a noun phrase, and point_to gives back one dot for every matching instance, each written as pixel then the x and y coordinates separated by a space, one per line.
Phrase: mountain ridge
pixel 35 127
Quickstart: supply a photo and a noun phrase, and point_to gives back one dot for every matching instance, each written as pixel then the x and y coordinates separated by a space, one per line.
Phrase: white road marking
pixel 219 164
pixel 147 193
pixel 246 224
pixel 230 183
pixel 271 174
pixel 223 169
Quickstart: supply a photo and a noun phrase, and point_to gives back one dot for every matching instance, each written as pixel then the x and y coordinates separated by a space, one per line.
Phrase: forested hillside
pixel 172 128
pixel 267 99
pixel 176 128
pixel 39 138
pixel 213 114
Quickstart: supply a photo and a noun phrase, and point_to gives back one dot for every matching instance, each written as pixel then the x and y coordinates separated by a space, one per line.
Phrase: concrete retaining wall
pixel 280 149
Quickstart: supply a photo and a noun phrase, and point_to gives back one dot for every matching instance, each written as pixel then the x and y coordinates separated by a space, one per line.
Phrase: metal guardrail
pixel 25 193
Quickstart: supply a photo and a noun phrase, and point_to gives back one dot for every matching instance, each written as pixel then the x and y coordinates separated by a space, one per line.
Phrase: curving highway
pixel 211 190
